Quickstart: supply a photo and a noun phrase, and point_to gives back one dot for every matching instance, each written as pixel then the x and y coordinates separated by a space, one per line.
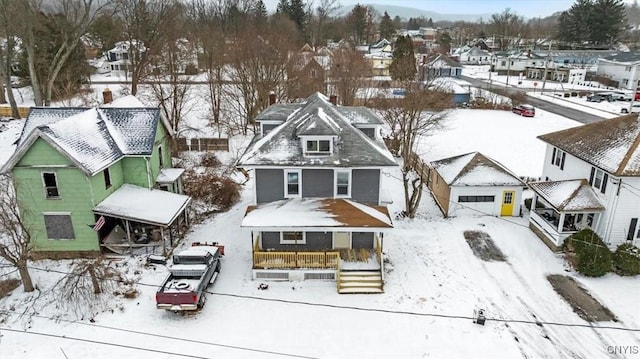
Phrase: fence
pixel 6 111
pixel 422 168
pixel 202 144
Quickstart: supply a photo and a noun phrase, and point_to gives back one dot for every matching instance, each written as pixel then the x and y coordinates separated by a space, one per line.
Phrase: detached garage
pixel 475 184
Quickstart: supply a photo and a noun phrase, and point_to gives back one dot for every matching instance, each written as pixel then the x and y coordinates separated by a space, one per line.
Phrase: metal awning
pixel 151 206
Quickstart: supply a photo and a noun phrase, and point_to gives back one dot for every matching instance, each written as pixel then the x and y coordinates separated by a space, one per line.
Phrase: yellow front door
pixel 507 203
pixel 341 240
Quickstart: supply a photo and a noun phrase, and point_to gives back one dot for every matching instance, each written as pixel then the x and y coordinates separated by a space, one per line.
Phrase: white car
pixel 635 107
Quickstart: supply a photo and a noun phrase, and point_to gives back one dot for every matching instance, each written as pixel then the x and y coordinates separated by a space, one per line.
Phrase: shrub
pixel 626 260
pixel 210 160
pixel 527 203
pixel 592 256
pixel 214 192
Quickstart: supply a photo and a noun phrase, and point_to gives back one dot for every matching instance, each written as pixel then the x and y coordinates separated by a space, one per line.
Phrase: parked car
pixel 635 107
pixel 524 110
pixel 622 96
pixel 599 97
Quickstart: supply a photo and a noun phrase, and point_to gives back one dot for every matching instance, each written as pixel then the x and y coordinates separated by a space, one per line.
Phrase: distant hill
pixel 409 12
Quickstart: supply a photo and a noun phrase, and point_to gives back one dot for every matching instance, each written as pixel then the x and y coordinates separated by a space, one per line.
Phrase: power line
pixel 102 343
pixel 386 311
pixel 195 341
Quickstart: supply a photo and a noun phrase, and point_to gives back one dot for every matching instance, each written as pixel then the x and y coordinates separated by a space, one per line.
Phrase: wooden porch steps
pixel 360 282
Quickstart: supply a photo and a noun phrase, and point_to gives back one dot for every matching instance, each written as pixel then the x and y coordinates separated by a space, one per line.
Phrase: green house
pixel 92 179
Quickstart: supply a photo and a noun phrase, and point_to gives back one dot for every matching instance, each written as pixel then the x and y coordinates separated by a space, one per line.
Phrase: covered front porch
pixel 134 218
pixel 300 239
pixel 562 208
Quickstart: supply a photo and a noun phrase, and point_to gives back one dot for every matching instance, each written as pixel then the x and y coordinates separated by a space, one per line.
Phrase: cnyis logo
pixel 623 349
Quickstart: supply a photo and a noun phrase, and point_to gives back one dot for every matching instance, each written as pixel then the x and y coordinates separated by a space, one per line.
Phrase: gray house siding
pixel 366 186
pixel 269 185
pixel 315 241
pixel 362 240
pixel 317 183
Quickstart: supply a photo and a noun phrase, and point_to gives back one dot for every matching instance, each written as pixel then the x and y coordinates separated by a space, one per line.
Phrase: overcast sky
pixel 526 8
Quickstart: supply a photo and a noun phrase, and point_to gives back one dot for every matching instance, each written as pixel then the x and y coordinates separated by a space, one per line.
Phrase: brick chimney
pixel 107 96
pixel 272 98
pixel 333 99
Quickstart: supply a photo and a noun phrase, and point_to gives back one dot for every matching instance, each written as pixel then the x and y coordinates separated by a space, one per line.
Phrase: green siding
pixel 78 192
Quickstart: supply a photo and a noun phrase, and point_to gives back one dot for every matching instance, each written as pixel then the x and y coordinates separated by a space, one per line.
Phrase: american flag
pixel 99 223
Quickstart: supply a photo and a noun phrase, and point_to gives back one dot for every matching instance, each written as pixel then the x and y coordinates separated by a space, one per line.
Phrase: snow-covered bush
pixel 588 253
pixel 626 260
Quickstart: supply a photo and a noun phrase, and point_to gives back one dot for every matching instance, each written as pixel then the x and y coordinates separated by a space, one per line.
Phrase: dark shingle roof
pixel 612 145
pixel 282 146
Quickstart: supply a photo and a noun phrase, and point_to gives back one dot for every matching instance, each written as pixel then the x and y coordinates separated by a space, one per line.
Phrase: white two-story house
pixel 317 211
pixel 592 179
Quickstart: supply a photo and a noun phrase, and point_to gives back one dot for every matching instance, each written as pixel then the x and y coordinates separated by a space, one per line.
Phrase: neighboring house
pixel 120 56
pixel 474 184
pixel 438 65
pixel 515 62
pixel 460 89
pixel 557 73
pixel 592 179
pixel 90 179
pixel 318 211
pixel 307 72
pixel 380 63
pixel 474 56
pixel 623 68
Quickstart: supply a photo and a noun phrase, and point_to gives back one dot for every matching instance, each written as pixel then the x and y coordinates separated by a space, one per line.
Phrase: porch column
pixel 126 222
pixel 163 241
pixel 560 222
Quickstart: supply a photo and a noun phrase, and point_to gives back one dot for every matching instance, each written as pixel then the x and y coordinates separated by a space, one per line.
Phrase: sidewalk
pixel 549 97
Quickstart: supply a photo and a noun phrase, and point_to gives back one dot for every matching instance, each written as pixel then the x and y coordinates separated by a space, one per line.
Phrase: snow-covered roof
pixel 450 84
pixel 169 175
pixel 475 169
pixel 439 61
pixel 573 195
pixel 282 146
pixel 143 205
pixel 92 138
pixel 612 145
pixel 315 212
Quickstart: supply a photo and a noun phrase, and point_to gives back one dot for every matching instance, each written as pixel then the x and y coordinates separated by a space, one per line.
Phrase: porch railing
pixel 296 259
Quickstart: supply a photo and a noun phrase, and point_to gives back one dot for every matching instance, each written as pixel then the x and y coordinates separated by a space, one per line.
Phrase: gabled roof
pixel 572 195
pixel 475 169
pixel 612 145
pixel 439 61
pixel 282 145
pixel 94 138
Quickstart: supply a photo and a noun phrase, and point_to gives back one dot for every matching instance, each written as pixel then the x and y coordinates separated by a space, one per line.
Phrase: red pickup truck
pixel 190 274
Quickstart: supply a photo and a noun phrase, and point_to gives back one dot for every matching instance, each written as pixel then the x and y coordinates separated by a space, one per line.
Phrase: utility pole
pixel 546 63
pixel 508 68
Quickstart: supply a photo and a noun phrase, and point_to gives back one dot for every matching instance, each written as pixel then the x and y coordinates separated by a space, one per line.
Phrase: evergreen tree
pixel 413 24
pixel 260 10
pixel 387 29
pixel 403 66
pixel 357 23
pixel 397 22
pixel 283 7
pixel 430 23
pixel 294 10
pixel 593 22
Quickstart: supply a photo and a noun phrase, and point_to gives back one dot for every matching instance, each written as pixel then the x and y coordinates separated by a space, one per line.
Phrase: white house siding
pixel 623 207
pixel 482 208
pixel 626 73
pixel 613 225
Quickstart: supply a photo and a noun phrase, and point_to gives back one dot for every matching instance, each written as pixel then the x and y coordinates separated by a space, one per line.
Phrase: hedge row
pixel 591 256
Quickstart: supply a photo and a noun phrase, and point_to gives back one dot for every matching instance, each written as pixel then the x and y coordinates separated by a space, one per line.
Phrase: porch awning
pixel 143 205
pixel 568 196
pixel 316 213
pixel 169 175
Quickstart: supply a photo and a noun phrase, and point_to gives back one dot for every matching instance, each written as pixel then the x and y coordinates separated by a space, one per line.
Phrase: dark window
pixel 58 226
pixel 632 229
pixel 318 146
pixel 293 183
pixel 50 185
pixel 160 157
pixel 107 178
pixel 342 183
pixel 476 199
pixel 558 157
pixel 292 238
pixel 598 179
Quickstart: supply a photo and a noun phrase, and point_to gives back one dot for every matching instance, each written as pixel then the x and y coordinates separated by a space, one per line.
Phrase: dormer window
pixel 318 147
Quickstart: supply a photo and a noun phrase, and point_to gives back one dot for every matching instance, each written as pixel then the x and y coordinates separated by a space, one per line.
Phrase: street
pixel 576 115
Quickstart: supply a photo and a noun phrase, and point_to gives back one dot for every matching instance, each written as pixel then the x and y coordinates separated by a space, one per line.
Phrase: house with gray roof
pixel 474 184
pixel 591 179
pixel 318 211
pixel 92 180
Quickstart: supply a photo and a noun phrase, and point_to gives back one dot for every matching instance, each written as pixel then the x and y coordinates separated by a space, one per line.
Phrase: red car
pixel 524 110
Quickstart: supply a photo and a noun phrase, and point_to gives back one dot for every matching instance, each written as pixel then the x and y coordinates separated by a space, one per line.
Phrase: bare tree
pixel 147 25
pixel 505 26
pixel 410 119
pixel 15 233
pixel 348 70
pixel 325 11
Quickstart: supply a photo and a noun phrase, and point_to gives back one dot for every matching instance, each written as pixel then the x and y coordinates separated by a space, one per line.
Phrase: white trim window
pixel 317 146
pixel 557 158
pixel 598 179
pixel 293 238
pixel 292 183
pixel 58 225
pixel 342 182
pixel 50 182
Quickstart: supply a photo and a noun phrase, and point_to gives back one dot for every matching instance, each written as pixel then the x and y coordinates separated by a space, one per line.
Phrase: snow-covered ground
pixel 433 284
